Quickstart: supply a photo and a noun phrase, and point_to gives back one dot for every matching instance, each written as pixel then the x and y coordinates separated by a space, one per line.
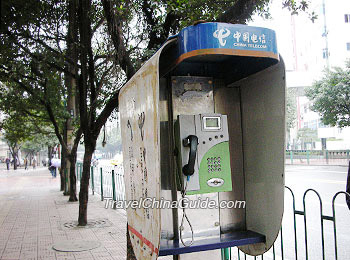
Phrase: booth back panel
pixel 227 102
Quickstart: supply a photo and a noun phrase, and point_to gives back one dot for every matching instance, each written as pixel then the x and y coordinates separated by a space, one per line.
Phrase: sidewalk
pixel 34 215
pixel 19 171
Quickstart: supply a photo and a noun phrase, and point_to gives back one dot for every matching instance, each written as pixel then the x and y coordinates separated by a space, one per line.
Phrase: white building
pixel 307 49
pixel 4 151
pixel 3 146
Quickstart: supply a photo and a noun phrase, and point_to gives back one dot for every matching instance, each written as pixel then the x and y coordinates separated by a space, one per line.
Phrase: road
pixel 327 181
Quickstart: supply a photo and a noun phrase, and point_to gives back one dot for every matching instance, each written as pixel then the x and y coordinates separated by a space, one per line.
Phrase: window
pixel 325 53
pixel 320 124
pixel 347 18
pixel 348 46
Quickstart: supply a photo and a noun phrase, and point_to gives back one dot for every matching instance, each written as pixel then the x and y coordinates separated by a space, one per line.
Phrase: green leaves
pixel 307 135
pixel 297 6
pixel 331 97
pixel 291 109
pixel 36 54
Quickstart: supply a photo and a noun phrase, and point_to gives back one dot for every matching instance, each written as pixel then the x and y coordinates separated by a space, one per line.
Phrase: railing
pixel 108 182
pixel 278 249
pixel 318 157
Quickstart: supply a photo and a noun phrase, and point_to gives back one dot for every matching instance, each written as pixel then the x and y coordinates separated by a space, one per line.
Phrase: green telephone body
pixel 202 143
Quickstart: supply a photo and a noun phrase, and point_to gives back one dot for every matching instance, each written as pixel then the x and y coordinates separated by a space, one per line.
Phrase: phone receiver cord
pixel 184 216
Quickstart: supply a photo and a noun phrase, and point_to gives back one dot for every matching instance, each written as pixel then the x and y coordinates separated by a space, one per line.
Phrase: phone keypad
pixel 214 164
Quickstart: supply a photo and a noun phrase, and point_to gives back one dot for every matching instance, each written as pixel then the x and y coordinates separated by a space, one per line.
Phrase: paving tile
pixel 9 254
pixel 83 255
pixel 28 254
pixel 64 255
pixel 32 211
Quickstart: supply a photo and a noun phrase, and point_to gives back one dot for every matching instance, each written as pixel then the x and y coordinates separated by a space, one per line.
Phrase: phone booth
pixel 203 130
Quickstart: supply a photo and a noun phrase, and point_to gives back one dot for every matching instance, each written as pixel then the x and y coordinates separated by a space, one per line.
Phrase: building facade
pixel 308 48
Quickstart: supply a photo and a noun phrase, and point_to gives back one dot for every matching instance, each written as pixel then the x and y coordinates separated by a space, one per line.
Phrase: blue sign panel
pixel 231 39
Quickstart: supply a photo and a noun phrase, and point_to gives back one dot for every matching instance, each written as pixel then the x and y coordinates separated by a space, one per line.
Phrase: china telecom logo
pixel 221 34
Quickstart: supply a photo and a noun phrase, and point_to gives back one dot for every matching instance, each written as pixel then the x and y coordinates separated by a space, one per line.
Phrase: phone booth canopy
pixel 203 122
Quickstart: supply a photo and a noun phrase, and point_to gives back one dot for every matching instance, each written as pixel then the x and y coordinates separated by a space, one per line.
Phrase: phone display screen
pixel 211 123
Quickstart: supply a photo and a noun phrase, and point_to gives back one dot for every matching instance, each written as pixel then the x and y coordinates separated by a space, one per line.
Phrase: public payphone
pixel 204 156
pixel 204 119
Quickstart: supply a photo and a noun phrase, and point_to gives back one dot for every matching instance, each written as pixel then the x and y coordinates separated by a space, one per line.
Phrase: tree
pixel 34 64
pixel 20 131
pixel 307 135
pixel 291 108
pixel 331 97
pixel 14 135
pixel 39 59
pixel 291 111
pixel 109 51
pixel 38 141
pixel 14 99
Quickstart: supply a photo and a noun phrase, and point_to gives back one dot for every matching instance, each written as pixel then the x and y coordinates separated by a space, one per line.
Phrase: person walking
pixel 25 163
pixel 57 164
pixel 7 161
pixel 52 169
pixel 34 162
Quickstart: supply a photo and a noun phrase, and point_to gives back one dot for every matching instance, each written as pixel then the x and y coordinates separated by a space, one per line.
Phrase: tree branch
pixel 99 84
pixel 111 104
pixel 46 46
pixel 98 25
pixel 240 11
pixel 50 64
pixel 55 125
pixel 115 32
pixel 83 78
pixel 47 107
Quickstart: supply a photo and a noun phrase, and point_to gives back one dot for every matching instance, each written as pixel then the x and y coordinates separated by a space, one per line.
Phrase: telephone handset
pixel 192 142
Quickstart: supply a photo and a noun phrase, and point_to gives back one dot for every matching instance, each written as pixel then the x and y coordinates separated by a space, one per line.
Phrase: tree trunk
pixel 13 152
pixel 84 184
pixel 73 161
pixel 62 180
pixel 49 153
pixel 72 177
pixel 63 172
pixel 70 82
pixel 14 160
pixel 31 158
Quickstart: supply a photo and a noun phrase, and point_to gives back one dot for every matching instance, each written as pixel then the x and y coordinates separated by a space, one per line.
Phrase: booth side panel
pixel 140 134
pixel 263 124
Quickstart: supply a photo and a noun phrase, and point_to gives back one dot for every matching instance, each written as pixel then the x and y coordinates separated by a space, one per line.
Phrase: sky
pixel 300 41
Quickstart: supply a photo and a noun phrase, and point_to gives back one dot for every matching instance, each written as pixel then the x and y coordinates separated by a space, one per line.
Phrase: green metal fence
pixel 108 182
pixel 235 253
pixel 318 157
